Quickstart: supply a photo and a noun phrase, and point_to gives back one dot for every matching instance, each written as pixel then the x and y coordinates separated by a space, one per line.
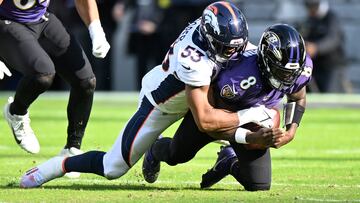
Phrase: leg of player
pixel 134 140
pixel 73 66
pixel 26 56
pixel 172 150
pixel 151 166
pixel 253 170
pixel 83 84
pixel 222 167
pixel 250 167
pixel 89 162
pixel 78 110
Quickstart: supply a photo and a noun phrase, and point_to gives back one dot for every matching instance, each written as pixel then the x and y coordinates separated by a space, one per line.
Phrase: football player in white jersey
pixel 168 91
pixel 278 68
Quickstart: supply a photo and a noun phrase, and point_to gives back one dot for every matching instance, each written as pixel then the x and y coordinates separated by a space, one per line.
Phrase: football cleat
pixel 151 166
pixel 49 170
pixel 21 129
pixel 68 153
pixel 226 158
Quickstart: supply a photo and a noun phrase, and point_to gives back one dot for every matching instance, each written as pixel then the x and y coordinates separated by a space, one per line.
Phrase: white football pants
pixel 140 132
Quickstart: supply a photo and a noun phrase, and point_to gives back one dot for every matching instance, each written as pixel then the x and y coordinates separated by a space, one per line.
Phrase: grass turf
pixel 322 164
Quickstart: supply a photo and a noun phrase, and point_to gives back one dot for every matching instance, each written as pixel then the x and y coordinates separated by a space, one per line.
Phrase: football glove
pixel 4 70
pixel 260 115
pixel 100 46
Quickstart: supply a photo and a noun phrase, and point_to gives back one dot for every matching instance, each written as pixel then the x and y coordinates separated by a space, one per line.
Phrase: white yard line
pixel 325 200
pixel 179 182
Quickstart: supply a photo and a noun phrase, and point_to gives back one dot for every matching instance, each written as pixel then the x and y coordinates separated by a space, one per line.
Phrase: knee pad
pixel 42 82
pixel 87 85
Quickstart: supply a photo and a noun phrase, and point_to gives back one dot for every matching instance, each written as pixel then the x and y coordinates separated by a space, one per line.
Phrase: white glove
pixel 100 46
pixel 4 70
pixel 259 115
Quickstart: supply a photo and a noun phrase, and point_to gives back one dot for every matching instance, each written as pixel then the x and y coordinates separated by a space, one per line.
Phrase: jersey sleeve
pixel 305 76
pixel 194 72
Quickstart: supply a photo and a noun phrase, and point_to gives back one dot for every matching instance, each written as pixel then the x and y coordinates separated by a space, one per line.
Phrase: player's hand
pixel 100 46
pixel 260 115
pixel 265 136
pixel 282 140
pixel 4 70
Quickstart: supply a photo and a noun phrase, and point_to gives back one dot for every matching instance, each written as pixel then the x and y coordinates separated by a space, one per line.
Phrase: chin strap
pixel 293 113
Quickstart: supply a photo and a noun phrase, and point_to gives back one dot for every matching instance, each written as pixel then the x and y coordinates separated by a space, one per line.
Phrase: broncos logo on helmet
pixel 210 18
pixel 225 30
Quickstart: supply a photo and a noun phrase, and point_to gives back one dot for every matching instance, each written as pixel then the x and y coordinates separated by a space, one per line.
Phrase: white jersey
pixel 186 63
pixel 162 100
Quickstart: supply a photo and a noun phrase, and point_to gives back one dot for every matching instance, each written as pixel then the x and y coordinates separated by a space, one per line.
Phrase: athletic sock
pixel 89 162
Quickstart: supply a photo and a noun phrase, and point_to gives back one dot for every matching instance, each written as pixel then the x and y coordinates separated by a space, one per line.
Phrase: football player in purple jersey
pixel 278 67
pixel 35 43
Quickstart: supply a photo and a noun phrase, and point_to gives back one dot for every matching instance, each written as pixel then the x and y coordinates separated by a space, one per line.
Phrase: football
pixel 275 117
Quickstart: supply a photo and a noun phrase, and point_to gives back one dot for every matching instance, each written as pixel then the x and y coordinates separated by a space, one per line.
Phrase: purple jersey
pixel 23 11
pixel 241 85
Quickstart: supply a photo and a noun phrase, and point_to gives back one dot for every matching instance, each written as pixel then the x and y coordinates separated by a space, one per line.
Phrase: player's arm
pixel 223 124
pixel 89 13
pixel 87 10
pixel 294 109
pixel 1 1
pixel 207 118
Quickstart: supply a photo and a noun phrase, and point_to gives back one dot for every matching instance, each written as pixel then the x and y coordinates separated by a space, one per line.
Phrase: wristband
pixel 95 29
pixel 293 113
pixel 240 135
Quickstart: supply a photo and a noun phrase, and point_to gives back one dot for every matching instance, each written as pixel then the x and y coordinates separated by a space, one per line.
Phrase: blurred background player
pixel 324 38
pixel 145 40
pixel 168 92
pixel 35 43
pixel 66 11
pixel 264 76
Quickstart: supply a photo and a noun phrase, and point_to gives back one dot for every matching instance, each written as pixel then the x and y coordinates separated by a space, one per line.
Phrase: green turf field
pixel 322 164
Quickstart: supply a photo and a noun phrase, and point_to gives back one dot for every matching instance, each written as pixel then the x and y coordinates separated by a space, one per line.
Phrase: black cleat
pixel 150 167
pixel 221 169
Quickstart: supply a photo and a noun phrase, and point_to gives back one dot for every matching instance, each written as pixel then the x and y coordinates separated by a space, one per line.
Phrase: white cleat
pixel 68 153
pixel 21 129
pixel 49 170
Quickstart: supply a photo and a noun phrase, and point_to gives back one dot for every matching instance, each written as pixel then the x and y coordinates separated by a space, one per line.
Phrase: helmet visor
pixel 226 51
pixel 286 75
